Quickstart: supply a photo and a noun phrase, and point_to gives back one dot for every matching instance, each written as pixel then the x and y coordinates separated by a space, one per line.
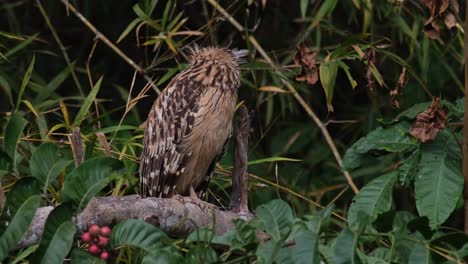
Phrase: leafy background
pixel 55 75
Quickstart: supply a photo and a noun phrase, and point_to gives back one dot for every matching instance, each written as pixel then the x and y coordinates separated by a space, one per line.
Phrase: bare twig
pixel 102 139
pixel 106 41
pixel 62 47
pixel 173 217
pixel 291 88
pixel 77 146
pixel 239 173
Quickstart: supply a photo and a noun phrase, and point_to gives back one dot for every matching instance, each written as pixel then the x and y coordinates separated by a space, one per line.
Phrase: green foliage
pixel 408 209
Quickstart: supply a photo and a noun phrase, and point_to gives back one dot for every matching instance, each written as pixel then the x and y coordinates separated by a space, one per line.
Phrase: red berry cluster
pixel 97 238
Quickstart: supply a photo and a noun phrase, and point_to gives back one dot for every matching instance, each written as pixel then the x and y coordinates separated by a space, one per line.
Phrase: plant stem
pixel 111 45
pixel 62 47
pixel 465 128
pixel 291 88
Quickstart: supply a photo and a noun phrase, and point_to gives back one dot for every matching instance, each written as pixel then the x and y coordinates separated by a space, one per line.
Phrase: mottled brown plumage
pixel 189 124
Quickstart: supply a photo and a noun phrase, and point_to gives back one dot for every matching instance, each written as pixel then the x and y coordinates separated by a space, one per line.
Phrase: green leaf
pixel 392 139
pixel 46 164
pixel 439 180
pixel 57 238
pixel 266 252
pixel 79 256
pixel 13 133
pixel 271 159
pixel 47 90
pixel 129 28
pixel 407 170
pixel 164 256
pixel 115 128
pixel 373 199
pixel 137 233
pixel 18 225
pixel 420 253
pixel 306 247
pixel 24 254
pixel 345 68
pixel 413 111
pixel 201 254
pixel 25 82
pixel 328 72
pixel 345 248
pixel 84 182
pixel 275 218
pixel 20 192
pixel 87 103
pixel 304 5
pixel 325 9
pixel 167 76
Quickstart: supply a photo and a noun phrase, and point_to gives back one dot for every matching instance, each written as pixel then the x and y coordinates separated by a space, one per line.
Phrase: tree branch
pixel 173 217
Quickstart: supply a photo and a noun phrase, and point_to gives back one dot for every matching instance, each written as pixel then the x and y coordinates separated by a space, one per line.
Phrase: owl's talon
pixel 196 201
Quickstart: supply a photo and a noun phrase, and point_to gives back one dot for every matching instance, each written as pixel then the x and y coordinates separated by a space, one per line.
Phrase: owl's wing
pixel 171 118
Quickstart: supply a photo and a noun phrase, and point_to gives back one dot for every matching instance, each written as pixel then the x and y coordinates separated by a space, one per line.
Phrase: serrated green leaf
pixel 137 233
pixel 395 138
pixel 84 182
pixel 46 164
pixel 439 181
pixel 305 249
pixel 275 218
pixel 373 199
pixel 13 133
pixel 407 170
pixel 87 103
pixel 345 248
pixel 18 225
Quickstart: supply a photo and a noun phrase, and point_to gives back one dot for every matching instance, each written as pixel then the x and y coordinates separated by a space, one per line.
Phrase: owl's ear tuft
pixel 240 55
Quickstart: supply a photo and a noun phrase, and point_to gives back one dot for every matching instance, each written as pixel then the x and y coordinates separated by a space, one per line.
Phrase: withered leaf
pixel 428 123
pixel 440 9
pixel 401 84
pixel 370 62
pixel 437 7
pixel 306 59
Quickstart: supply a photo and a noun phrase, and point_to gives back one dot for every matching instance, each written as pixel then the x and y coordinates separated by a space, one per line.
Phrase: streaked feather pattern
pixel 189 123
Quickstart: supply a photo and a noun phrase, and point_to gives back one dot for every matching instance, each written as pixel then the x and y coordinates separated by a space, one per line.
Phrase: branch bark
pixel 239 172
pixel 173 217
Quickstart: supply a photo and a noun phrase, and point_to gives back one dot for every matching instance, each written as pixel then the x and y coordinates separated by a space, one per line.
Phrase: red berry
pixel 86 237
pixel 104 255
pixel 93 249
pixel 94 230
pixel 106 231
pixel 102 241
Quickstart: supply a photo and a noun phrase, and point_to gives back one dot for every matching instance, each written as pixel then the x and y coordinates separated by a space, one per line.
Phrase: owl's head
pixel 217 55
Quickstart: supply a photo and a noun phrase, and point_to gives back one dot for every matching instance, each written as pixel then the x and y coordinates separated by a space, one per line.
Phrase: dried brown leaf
pixel 437 7
pixel 274 89
pixel 401 84
pixel 306 59
pixel 428 123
